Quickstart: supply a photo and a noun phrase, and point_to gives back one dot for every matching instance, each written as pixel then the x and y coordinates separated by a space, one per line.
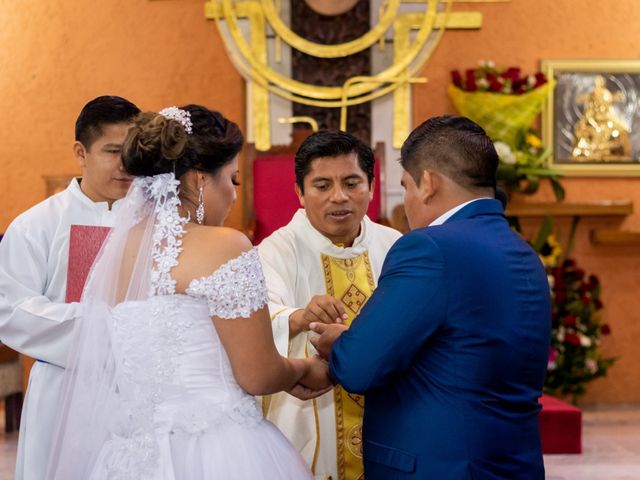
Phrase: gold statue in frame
pixel 600 135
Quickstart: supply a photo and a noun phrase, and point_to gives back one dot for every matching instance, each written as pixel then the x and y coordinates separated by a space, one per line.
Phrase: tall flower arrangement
pixel 576 325
pixel 505 103
pixel 577 330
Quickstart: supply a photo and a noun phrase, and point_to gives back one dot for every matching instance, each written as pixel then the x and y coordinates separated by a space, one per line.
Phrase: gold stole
pixel 351 282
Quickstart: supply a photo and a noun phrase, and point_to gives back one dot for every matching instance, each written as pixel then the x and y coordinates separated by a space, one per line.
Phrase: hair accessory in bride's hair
pixel 179 115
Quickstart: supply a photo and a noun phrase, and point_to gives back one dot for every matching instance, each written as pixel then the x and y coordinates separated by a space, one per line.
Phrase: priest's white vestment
pixel 295 260
pixel 34 318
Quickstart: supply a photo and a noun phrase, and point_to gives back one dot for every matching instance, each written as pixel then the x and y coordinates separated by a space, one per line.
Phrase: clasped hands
pixel 323 315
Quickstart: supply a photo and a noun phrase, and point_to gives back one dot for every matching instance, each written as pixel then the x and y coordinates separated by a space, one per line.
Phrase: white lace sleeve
pixel 236 289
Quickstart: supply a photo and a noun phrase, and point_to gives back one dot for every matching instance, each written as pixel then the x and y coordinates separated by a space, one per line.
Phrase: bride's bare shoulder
pixel 205 249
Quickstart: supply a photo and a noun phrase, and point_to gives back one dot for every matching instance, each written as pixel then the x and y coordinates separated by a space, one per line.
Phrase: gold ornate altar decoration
pixel 415 34
pixel 600 135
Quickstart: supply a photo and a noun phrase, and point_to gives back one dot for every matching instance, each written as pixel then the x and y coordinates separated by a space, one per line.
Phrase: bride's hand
pixel 315 381
pixel 304 393
pixel 317 376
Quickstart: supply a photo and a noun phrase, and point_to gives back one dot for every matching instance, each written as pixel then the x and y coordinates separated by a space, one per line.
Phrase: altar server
pixel 34 318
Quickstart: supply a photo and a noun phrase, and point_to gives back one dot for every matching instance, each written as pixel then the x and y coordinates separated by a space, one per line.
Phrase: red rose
pixel 540 79
pixel 584 288
pixel 457 78
pixel 572 339
pixel 585 300
pixel 579 273
pixel 561 296
pixel 593 281
pixel 605 329
pixel 570 320
pixel 512 73
pixel 495 83
pixel 568 263
pixel 471 80
pixel 495 86
pixel 597 304
pixel 519 86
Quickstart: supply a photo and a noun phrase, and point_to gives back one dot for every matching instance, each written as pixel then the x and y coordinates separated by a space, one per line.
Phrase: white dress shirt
pixel 449 213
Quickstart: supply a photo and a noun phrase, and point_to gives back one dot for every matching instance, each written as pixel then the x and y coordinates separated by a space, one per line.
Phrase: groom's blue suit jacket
pixel 451 352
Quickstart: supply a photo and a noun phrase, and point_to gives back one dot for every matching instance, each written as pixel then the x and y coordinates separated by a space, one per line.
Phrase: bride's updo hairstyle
pixel 157 144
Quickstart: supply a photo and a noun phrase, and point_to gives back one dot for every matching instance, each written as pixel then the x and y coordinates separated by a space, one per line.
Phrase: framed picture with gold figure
pixel 591 120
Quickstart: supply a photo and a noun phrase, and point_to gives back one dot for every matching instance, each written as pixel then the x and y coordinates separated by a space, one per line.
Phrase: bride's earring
pixel 200 209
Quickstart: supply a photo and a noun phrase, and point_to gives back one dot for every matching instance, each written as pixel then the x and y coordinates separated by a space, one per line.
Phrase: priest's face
pixel 103 176
pixel 336 197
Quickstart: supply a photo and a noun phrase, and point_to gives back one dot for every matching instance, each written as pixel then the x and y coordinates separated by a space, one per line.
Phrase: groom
pixel 451 349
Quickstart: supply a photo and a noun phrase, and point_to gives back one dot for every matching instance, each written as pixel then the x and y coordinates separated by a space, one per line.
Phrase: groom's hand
pixel 328 335
pixel 321 308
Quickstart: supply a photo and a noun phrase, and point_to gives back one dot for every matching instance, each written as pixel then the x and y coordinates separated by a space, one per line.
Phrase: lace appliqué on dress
pixel 200 415
pixel 236 289
pixel 167 237
pixel 147 344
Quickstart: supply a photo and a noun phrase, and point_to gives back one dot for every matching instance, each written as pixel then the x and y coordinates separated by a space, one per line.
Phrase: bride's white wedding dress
pixel 173 410
pixel 186 417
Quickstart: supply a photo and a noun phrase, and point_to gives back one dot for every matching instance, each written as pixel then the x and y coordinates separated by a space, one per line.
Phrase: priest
pixel 322 267
pixel 34 318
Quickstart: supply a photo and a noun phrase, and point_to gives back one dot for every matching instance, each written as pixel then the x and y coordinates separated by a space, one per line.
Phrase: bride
pixel 175 337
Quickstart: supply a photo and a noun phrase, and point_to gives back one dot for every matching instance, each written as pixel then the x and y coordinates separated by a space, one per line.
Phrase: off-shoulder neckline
pixel 222 267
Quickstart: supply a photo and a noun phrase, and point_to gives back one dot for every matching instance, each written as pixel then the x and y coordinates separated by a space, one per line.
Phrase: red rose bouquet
pixel 488 78
pixel 505 103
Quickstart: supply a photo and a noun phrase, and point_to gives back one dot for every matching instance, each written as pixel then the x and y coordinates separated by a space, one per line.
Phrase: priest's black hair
pixel 331 143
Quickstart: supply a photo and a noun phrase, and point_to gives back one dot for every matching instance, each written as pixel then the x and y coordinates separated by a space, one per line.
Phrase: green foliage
pixel 522 167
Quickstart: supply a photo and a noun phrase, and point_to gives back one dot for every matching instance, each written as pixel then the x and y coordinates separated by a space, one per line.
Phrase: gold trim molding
pixel 411 53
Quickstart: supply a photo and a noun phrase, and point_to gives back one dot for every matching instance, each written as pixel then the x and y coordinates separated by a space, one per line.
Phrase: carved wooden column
pixel 332 71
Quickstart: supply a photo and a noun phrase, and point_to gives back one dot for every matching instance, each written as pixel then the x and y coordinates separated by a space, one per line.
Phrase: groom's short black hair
pixel 104 110
pixel 331 143
pixel 454 146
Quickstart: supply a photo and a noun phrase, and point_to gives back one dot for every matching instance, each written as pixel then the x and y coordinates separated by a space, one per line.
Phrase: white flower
pixel 560 335
pixel 552 281
pixel 486 63
pixel 482 83
pixel 505 153
pixel 585 341
pixel 552 365
pixel 591 365
pixel 531 80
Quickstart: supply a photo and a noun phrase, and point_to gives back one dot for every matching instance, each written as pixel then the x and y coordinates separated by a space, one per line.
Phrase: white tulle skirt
pixel 230 451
